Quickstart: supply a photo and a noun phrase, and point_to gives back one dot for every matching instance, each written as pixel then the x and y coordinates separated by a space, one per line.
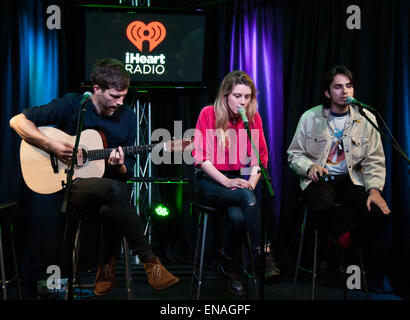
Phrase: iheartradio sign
pixel 138 32
pixel 153 34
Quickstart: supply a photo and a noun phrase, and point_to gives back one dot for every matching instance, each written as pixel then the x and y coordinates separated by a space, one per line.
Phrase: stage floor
pixel 213 288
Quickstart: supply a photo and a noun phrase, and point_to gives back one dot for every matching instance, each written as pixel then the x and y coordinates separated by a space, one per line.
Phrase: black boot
pixel 230 270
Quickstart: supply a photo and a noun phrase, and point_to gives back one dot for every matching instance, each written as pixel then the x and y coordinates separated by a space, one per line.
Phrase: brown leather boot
pixel 158 277
pixel 104 282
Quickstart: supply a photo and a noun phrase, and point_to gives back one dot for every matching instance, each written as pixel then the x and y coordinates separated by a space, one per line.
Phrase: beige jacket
pixel 362 144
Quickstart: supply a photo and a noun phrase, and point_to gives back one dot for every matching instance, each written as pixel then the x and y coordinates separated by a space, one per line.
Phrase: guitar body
pixel 37 168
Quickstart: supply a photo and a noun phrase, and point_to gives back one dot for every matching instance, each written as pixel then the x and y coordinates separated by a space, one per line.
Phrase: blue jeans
pixel 242 206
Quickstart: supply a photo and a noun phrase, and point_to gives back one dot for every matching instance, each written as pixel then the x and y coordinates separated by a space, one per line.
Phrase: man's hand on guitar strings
pixel 62 150
pixel 116 157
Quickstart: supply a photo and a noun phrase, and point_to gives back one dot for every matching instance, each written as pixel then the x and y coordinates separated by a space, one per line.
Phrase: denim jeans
pixel 242 207
pixel 109 200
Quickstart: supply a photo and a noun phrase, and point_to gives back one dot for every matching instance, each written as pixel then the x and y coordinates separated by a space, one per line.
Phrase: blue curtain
pixel 30 74
pixel 403 105
pixel 256 48
pixel 30 77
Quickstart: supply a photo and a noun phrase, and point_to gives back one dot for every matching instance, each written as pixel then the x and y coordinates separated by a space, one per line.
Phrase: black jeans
pixel 352 216
pixel 242 206
pixel 108 200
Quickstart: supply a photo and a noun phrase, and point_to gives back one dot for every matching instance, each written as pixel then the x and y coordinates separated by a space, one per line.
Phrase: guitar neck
pixel 130 150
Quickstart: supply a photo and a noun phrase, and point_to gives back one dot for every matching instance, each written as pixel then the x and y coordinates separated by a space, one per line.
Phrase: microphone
pixel 351 100
pixel 86 96
pixel 242 112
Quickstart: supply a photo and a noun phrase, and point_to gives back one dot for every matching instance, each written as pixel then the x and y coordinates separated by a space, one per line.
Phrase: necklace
pixel 339 118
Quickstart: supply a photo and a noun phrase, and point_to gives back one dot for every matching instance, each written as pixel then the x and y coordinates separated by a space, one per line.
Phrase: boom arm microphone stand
pixel 67 194
pixel 267 190
pixel 395 145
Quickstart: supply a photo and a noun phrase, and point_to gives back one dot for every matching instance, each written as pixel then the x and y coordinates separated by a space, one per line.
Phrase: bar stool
pixel 313 270
pixel 204 211
pixel 5 210
pixel 75 261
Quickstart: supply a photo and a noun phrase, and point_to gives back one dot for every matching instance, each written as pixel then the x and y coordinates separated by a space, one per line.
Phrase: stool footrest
pixel 305 269
pixel 204 207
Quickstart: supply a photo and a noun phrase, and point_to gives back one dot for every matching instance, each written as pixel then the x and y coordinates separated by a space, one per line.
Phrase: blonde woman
pixel 227 169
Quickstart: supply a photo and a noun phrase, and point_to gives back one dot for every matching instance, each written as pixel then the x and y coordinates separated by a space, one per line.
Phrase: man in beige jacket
pixel 339 157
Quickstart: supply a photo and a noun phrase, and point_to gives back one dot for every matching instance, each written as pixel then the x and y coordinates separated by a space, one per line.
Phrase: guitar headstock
pixel 179 145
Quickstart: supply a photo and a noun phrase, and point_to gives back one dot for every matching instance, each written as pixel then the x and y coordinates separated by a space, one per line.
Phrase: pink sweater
pixel 235 156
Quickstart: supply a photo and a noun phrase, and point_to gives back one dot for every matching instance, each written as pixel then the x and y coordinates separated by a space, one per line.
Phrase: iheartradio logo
pixel 138 32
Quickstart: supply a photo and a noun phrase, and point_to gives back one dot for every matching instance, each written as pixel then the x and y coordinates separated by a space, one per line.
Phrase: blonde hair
pixel 221 106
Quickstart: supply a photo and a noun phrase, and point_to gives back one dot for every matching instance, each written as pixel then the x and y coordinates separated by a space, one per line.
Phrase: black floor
pixel 213 288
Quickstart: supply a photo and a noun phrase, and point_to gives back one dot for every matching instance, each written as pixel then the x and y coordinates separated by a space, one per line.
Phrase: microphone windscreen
pixel 350 100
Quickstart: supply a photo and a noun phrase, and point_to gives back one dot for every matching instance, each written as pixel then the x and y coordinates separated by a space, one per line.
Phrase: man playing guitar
pixel 107 196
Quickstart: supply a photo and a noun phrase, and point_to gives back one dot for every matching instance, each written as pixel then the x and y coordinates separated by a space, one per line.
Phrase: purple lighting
pixel 256 48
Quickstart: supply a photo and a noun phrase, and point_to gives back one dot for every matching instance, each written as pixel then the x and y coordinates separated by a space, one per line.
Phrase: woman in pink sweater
pixel 227 169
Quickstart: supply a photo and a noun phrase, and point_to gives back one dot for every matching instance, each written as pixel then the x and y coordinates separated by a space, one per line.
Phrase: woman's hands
pixel 238 183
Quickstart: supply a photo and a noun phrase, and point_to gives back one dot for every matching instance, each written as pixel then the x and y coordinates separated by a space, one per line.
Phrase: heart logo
pixel 138 32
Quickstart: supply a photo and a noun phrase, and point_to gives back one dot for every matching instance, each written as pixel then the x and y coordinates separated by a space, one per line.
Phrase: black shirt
pixel 119 129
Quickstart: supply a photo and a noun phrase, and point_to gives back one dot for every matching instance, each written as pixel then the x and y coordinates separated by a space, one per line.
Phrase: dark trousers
pixel 352 216
pixel 243 211
pixel 108 200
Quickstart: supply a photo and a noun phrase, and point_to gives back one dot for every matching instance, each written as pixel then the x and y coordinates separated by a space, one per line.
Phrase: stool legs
pixel 75 251
pixel 201 258
pixel 127 269
pixel 363 274
pixel 16 269
pixel 299 255
pixel 314 266
pixel 3 271
pixel 127 266
pixel 198 238
pixel 201 239
pixel 314 269
pixel 252 264
pixel 9 224
pixel 200 251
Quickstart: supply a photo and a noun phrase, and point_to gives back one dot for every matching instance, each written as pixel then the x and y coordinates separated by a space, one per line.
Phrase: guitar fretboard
pixel 99 154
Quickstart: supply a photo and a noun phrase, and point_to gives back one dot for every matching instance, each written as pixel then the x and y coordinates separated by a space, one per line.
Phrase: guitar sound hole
pixel 85 155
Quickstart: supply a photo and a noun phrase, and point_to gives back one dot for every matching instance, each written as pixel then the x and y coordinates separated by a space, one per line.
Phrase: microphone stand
pixel 67 194
pixel 267 190
pixel 398 149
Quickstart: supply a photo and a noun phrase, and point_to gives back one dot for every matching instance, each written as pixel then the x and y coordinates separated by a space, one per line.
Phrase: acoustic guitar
pixel 44 173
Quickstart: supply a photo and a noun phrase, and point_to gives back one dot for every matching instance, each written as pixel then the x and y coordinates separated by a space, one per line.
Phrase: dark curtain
pixel 316 38
pixel 41 64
